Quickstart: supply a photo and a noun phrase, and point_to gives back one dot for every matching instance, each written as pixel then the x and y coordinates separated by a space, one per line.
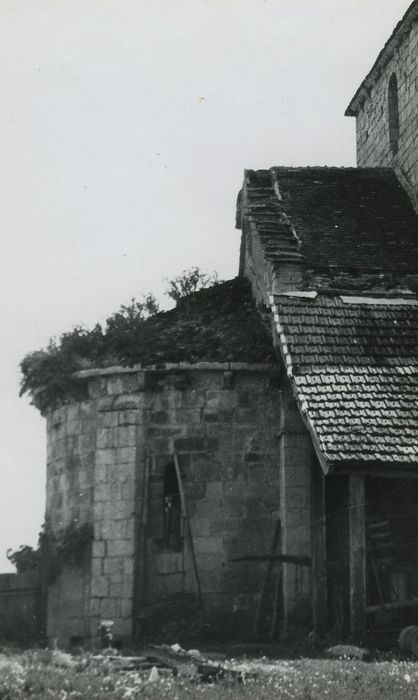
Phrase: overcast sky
pixel 124 131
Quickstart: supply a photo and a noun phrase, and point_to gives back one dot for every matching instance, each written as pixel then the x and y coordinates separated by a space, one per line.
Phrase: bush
pixel 191 281
pixel 220 323
pixel 47 375
pixel 24 559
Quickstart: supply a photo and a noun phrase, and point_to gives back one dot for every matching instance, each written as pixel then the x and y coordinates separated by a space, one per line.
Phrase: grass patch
pixel 36 675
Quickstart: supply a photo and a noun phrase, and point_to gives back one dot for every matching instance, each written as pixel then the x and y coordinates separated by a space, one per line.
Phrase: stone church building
pixel 257 471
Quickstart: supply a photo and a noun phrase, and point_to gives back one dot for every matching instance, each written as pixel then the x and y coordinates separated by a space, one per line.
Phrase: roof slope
pixel 350 219
pixel 220 323
pixel 353 363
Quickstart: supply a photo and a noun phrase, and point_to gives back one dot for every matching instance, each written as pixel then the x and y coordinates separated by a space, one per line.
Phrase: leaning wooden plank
pixel 275 615
pixel 189 533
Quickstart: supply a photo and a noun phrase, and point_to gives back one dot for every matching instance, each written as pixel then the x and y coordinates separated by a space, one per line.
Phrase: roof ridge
pixel 384 169
pixel 269 217
pixel 279 169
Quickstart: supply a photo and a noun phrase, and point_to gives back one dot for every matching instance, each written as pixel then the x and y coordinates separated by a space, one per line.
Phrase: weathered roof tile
pixel 362 404
pixel 340 219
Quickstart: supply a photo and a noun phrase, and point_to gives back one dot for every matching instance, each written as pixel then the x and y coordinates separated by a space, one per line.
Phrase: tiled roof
pixel 353 364
pixel 355 219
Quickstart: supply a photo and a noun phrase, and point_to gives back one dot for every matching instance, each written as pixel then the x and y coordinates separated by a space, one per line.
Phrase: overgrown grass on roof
pixel 220 323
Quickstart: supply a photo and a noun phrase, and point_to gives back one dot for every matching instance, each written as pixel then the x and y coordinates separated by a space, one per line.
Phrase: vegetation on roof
pixel 220 323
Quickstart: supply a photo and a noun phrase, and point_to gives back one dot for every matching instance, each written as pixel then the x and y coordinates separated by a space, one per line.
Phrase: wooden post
pixel 357 547
pixel 319 569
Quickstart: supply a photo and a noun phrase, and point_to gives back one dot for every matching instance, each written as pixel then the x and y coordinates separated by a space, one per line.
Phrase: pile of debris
pixel 162 660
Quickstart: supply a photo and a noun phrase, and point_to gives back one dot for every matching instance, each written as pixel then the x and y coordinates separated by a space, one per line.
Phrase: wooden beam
pixel 357 554
pixel 378 472
pixel 283 558
pixel 397 605
pixel 319 568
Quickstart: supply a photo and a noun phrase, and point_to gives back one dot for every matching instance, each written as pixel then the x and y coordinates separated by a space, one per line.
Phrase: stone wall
pixel 253 265
pixel 223 422
pixel 71 455
pixel 21 608
pixel 373 137
pixel 265 276
pixel 118 443
pixel 296 464
pixel 223 427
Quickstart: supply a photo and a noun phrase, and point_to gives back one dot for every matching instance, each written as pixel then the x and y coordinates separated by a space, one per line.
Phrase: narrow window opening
pixel 173 526
pixel 393 113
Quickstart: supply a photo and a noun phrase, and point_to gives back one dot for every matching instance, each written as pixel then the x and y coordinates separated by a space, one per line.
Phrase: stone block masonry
pixel 225 434
pixel 374 147
pixel 111 595
pixel 71 453
pixel 296 461
pixel 223 437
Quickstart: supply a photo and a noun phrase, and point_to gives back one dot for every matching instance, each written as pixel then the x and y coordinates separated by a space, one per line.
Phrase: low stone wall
pixel 21 610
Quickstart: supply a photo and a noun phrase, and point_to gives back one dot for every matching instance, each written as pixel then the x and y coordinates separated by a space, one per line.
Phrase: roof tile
pixel 340 219
pixel 363 402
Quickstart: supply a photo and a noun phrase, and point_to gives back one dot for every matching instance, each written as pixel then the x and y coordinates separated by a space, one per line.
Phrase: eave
pixel 392 465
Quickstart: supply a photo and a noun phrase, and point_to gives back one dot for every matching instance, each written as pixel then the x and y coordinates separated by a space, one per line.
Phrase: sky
pixel 125 128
